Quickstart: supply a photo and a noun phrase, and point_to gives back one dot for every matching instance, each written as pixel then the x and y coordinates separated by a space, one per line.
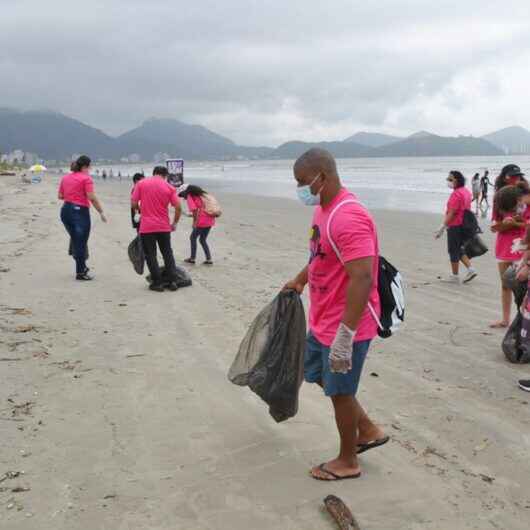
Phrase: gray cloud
pixel 265 72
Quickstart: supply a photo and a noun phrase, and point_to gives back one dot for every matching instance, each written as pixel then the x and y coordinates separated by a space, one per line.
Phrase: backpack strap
pixel 337 252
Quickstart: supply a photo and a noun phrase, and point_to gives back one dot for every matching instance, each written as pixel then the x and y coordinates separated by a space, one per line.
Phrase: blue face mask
pixel 305 195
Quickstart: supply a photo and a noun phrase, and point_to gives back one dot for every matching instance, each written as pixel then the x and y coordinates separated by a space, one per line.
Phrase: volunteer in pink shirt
pixel 77 191
pixel 153 196
pixel 459 202
pixel 203 222
pixel 509 225
pixel 344 304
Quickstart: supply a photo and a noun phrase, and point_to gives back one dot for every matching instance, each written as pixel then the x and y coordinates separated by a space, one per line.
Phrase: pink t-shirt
pixel 154 195
pixel 354 233
pixel 75 188
pixel 460 201
pixel 504 241
pixel 204 220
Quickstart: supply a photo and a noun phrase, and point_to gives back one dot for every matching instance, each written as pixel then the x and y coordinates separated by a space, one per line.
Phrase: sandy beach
pixel 116 407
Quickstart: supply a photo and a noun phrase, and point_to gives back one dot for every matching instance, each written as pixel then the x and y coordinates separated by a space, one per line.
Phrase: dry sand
pixel 116 405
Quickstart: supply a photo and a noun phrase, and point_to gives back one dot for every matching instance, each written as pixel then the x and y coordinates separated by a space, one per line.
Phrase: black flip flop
pixel 362 448
pixel 322 467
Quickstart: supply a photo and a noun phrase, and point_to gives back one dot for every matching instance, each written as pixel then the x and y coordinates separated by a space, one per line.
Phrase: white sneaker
pixel 471 275
pixel 453 278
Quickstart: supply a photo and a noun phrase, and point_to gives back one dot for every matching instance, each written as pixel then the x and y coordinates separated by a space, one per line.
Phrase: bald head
pixel 316 161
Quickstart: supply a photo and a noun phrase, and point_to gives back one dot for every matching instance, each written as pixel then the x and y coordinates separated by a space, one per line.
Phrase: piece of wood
pixel 341 513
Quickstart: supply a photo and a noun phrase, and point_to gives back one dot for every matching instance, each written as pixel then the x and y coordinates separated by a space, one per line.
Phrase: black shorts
pixel 455 240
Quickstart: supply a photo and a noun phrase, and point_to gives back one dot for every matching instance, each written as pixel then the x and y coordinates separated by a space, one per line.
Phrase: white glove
pixel 136 217
pixel 440 232
pixel 341 350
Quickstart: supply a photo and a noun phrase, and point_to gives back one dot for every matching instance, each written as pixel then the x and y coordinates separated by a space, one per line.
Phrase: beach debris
pixel 19 311
pixel 67 365
pixel 122 305
pixel 374 374
pixel 20 489
pixel 8 359
pixel 4 269
pixel 341 513
pixel 25 329
pixel 11 475
pixel 486 478
pixel 135 355
pixel 481 446
pixel 110 496
pixel 22 408
pixel 42 354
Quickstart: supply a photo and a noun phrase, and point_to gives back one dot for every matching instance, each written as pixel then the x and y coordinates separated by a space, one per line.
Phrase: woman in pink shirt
pixel 509 224
pixel 202 222
pixel 77 191
pixel 459 201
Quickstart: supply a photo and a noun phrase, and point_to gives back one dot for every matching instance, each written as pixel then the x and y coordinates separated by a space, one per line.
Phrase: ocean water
pixel 410 184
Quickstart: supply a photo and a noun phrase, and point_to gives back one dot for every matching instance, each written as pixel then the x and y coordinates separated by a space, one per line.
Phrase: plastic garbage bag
pixel 270 360
pixel 136 254
pixel 183 278
pixel 516 342
pixel 475 247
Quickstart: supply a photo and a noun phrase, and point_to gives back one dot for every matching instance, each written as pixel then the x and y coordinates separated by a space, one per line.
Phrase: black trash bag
pixel 270 359
pixel 183 279
pixel 516 342
pixel 475 247
pixel 470 226
pixel 136 255
pixel 71 250
pixel 510 281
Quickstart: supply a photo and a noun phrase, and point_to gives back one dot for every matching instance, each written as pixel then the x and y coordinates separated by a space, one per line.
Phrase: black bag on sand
pixel 136 254
pixel 516 342
pixel 183 278
pixel 474 247
pixel 271 356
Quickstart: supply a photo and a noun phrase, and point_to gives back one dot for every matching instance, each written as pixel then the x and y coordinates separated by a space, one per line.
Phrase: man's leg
pixel 149 246
pixel 368 430
pixel 164 242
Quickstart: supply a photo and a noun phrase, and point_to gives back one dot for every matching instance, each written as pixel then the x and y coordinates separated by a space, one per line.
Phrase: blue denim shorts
pixel 316 368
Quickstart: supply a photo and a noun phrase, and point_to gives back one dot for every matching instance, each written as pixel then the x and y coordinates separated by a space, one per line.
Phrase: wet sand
pixel 115 404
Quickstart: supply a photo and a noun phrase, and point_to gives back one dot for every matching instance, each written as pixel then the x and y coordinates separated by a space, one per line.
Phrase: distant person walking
pixel 153 196
pixel 484 188
pixel 203 222
pixel 475 190
pixel 459 201
pixel 77 191
pixel 509 222
pixel 135 214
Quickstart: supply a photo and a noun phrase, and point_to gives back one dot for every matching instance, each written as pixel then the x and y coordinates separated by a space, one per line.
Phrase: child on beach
pixel 510 217
pixel 203 221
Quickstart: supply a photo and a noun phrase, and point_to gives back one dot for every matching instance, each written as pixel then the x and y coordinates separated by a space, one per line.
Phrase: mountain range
pixel 54 136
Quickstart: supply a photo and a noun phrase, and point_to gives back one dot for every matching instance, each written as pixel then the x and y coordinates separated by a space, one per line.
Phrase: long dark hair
pixel 80 163
pixel 500 181
pixel 460 180
pixel 137 177
pixel 194 191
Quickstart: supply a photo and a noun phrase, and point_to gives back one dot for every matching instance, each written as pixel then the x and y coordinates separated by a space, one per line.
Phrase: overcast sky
pixel 263 72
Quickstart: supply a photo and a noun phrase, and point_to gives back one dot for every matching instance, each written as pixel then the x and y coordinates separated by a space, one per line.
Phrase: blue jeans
pixel 202 235
pixel 76 220
pixel 316 368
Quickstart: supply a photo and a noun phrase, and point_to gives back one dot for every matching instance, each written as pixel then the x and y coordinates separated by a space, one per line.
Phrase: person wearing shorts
pixel 344 305
pixel 459 202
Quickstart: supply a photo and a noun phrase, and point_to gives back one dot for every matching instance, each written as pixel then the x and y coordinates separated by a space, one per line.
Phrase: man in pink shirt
pixel 344 304
pixel 154 195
